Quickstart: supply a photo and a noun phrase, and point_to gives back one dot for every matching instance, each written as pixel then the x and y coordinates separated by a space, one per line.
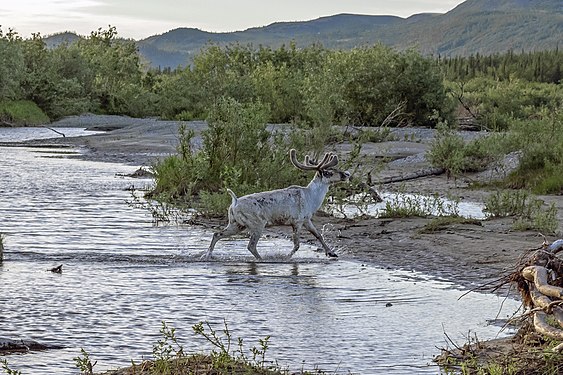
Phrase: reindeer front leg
pixel 254 237
pixel 311 228
pixel 296 240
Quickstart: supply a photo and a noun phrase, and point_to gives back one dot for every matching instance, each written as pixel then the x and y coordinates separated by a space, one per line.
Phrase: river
pixel 122 276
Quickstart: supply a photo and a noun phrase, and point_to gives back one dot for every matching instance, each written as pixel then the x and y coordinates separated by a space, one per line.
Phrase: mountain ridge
pixel 474 26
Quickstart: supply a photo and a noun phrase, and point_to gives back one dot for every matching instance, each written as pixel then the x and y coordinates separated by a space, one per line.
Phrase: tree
pixel 11 65
pixel 116 68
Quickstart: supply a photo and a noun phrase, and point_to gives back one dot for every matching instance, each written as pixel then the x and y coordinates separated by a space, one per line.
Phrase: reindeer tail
pixel 233 196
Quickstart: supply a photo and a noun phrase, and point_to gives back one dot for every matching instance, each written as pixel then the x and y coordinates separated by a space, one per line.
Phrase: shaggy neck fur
pixel 317 189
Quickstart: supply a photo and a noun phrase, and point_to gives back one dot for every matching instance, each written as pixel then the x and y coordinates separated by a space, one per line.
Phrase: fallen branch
pixel 412 176
pixel 56 131
pixel 542 326
pixel 539 275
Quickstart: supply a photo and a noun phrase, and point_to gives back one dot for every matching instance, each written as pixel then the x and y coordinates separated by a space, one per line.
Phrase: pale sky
pixel 139 19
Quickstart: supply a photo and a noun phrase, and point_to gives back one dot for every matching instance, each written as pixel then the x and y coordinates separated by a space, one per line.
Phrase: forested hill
pixel 475 26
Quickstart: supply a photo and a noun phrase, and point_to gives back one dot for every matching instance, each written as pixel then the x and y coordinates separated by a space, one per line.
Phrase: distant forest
pixel 311 85
pixel 543 66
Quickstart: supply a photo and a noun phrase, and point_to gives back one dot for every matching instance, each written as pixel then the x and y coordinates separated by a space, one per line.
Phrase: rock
pixel 58 269
pixel 8 346
pixel 498 170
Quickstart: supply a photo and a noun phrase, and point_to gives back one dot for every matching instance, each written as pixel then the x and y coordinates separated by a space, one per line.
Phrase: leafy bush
pixel 238 152
pixel 447 150
pixel 541 141
pixel 499 103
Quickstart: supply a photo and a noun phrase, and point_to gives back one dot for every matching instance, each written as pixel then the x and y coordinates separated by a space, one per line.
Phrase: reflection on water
pixel 122 276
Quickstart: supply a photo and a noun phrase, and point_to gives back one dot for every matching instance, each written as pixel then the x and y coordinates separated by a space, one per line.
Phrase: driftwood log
pixel 412 176
pixel 540 282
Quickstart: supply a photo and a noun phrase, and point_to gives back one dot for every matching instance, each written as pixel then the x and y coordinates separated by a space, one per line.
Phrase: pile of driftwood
pixel 539 277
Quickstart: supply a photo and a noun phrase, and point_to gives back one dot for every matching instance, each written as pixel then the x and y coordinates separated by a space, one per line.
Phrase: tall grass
pixel 21 113
pixel 529 212
pixel 228 356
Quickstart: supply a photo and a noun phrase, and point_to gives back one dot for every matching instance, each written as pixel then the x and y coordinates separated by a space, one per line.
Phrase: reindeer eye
pixel 327 173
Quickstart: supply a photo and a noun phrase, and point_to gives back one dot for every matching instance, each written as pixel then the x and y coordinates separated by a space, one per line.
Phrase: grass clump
pixel 409 205
pixel 443 222
pixel 21 113
pixel 529 212
pixel 228 356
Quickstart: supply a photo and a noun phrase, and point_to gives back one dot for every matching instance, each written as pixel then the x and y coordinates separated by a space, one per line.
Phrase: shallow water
pixel 122 276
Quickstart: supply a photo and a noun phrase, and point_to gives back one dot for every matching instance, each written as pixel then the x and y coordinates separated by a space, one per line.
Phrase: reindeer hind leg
pixel 230 230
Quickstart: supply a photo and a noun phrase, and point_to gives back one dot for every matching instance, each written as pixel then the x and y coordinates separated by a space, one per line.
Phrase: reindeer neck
pixel 317 190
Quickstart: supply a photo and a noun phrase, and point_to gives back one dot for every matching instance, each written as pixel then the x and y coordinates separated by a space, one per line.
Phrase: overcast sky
pixel 139 19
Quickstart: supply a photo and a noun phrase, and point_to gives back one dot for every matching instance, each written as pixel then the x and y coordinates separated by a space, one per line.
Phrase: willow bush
pixel 237 152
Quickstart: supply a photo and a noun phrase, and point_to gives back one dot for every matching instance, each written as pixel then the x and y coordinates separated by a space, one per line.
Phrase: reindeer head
pixel 326 170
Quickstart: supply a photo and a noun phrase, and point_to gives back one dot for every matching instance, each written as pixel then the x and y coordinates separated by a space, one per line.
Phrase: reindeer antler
pixel 329 161
pixel 332 161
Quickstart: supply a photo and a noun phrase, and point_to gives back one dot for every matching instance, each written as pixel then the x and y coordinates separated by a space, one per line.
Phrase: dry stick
pixel 459 97
pixel 482 286
pixel 398 111
pixel 449 339
pixel 56 131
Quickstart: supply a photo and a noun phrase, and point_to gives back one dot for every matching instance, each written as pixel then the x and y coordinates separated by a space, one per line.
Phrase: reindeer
pixel 294 205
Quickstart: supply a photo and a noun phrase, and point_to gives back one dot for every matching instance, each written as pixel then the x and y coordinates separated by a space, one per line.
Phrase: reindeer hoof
pixel 331 255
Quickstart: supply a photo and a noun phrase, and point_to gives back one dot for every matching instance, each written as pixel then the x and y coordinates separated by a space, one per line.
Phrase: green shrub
pixel 446 150
pixel 22 113
pixel 238 152
pixel 528 211
pixel 499 103
pixel 541 142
